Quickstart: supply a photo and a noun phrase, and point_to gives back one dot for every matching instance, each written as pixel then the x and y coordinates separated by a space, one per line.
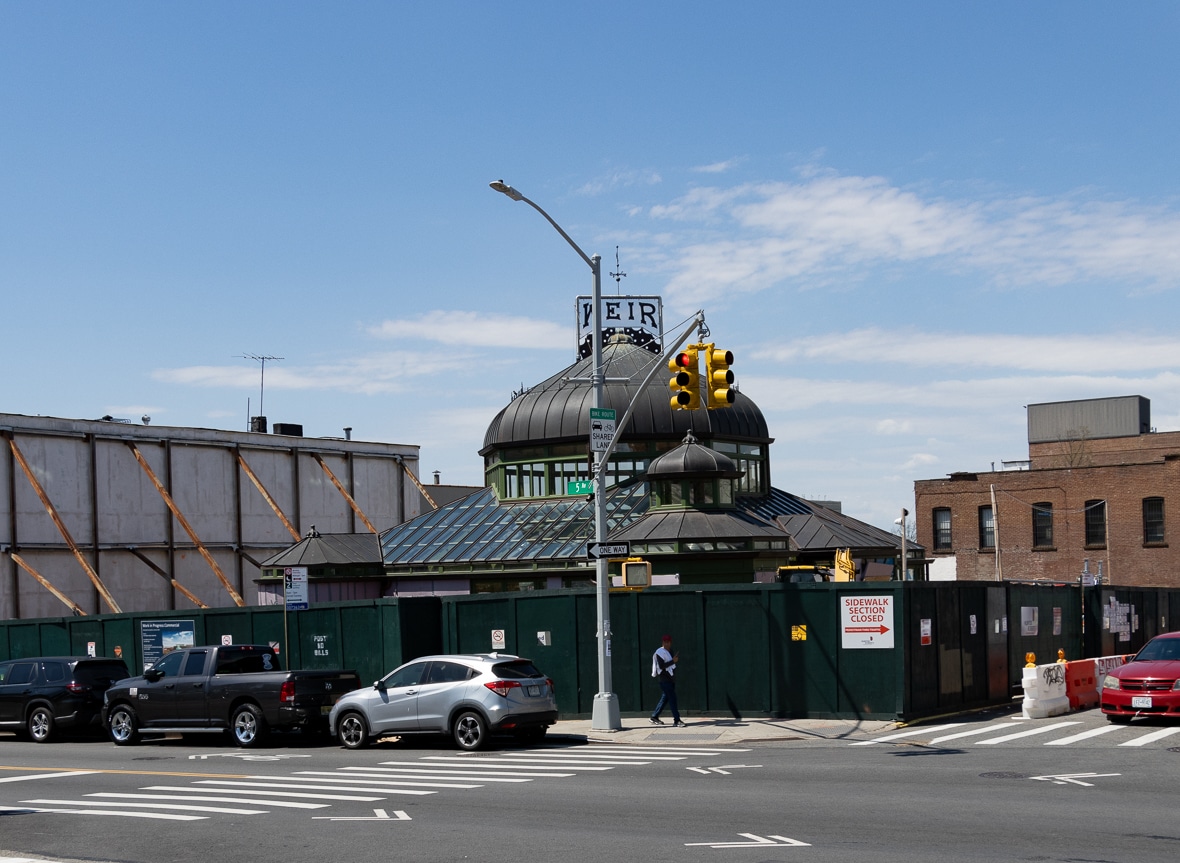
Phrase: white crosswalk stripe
pixel 1028 732
pixel 1152 737
pixel 1019 729
pixel 322 789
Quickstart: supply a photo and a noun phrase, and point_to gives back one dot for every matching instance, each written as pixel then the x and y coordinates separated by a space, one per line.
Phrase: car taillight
pixel 287 691
pixel 502 687
pixel 77 688
pixel 549 680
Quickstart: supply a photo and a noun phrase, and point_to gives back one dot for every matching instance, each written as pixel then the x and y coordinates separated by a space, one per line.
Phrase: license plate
pixel 1141 701
pixel 534 690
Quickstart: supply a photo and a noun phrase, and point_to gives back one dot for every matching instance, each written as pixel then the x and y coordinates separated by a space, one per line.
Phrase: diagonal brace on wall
pixel 61 526
pixel 267 497
pixel 192 534
pixel 340 488
pixel 151 564
pixel 406 470
pixel 44 582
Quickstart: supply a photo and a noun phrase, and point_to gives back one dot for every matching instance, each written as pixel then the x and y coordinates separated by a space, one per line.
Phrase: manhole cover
pixel 154 758
pixel 1003 775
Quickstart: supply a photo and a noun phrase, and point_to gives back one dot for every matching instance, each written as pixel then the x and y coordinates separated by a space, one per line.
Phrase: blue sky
pixel 907 220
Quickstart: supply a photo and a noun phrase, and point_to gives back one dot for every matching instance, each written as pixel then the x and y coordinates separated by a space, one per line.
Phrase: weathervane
pixel 619 275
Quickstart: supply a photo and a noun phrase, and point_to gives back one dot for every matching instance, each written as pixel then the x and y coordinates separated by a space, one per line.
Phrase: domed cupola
pixel 691 460
pixel 538 443
pixel 557 410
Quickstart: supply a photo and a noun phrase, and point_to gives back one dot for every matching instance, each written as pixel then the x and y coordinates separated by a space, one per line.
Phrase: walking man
pixel 663 666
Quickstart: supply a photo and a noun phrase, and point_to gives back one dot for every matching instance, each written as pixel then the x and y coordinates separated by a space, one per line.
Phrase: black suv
pixel 42 694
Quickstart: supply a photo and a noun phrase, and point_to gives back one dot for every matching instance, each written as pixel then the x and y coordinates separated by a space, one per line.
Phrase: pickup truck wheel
pixel 247 726
pixel 40 726
pixel 470 731
pixel 123 726
pixel 353 732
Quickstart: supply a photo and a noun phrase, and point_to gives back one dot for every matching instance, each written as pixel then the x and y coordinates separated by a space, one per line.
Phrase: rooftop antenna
pixel 262 381
pixel 619 275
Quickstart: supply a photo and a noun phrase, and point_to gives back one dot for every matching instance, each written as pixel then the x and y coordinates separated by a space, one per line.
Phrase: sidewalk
pixel 706 731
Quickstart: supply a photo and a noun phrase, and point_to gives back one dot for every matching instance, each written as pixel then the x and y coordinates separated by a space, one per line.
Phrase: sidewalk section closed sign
pixel 866 621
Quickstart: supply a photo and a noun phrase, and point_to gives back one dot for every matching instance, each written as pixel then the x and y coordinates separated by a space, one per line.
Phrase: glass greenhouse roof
pixel 482 529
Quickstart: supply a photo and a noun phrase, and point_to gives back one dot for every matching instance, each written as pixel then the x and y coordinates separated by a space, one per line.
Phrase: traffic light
pixel 718 377
pixel 686 379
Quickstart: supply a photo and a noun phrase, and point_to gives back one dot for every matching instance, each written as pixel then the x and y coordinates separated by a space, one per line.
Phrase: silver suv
pixel 468 696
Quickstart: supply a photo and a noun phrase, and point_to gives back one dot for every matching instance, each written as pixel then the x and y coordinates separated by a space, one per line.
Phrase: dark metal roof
pixel 667 525
pixel 557 410
pixel 328 550
pixel 691 459
pixel 814 527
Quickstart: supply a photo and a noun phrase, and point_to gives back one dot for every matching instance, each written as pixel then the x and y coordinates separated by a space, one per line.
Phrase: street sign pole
pixel 604 715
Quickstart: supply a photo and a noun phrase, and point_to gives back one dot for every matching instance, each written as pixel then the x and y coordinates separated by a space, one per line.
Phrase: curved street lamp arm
pixel 504 189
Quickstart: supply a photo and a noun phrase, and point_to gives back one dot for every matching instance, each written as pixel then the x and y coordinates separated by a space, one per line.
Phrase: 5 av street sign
pixel 597 550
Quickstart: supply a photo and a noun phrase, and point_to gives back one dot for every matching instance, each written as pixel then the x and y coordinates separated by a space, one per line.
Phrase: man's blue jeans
pixel 668 698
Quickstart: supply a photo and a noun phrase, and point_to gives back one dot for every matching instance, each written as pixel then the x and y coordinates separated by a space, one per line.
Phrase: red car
pixel 1148 685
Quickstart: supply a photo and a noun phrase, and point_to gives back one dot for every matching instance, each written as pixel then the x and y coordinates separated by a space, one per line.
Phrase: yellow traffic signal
pixel 686 379
pixel 718 377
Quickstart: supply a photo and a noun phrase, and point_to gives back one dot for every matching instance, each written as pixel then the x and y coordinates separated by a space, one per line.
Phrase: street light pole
pixel 904 512
pixel 605 713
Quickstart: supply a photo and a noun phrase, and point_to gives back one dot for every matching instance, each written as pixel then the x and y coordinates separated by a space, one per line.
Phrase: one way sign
pixel 596 550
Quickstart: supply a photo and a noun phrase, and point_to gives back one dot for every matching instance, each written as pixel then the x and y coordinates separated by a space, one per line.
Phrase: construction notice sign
pixel 866 621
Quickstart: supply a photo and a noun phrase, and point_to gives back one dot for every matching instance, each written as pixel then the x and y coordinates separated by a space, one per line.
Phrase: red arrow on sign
pixel 881 629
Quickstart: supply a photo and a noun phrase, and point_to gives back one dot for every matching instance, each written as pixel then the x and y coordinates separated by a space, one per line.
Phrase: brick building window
pixel 1095 523
pixel 1153 520
pixel 987 527
pixel 942 529
pixel 1042 525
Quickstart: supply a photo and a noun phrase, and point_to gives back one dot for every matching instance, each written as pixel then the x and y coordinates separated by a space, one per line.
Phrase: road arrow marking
pixel 378 815
pixel 723 769
pixel 1074 778
pixel 772 841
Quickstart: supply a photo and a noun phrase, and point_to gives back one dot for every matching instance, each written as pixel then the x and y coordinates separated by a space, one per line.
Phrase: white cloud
pixel 620 179
pixel 718 167
pixel 752 236
pixel 892 427
pixel 1087 354
pixel 367 374
pixel 921 459
pixel 476 329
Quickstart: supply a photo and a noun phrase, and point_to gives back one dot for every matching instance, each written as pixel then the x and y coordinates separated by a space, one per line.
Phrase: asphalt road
pixel 971 792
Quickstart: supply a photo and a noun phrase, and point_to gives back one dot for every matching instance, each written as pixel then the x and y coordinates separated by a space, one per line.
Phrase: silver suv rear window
pixel 519 669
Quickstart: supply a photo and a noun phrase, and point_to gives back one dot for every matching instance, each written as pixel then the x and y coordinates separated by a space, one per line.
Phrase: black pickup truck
pixel 239 688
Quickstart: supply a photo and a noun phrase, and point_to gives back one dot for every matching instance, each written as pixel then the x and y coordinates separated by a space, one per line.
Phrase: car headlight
pixel 1110 682
pixel 1176 685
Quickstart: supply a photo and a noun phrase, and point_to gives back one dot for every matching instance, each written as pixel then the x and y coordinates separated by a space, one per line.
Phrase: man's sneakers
pixel 655 720
pixel 679 724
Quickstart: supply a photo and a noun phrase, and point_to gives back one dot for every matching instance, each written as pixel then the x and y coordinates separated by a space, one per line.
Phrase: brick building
pixel 1095 497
